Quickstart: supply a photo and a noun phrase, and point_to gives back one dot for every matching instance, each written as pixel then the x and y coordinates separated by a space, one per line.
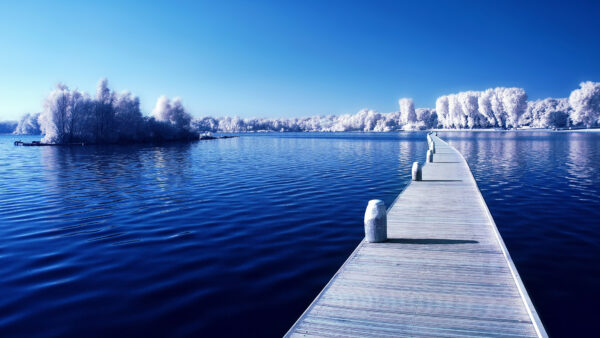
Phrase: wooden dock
pixel 444 270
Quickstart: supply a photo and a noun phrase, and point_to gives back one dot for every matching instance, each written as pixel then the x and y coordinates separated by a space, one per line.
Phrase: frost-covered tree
pixel 365 120
pixel 497 107
pixel 494 107
pixel 206 124
pixel 546 113
pixel 514 101
pixel 74 116
pixel 172 112
pixel 428 117
pixel 104 113
pixel 484 103
pixel 442 109
pixel 455 112
pixel 407 111
pixel 28 125
pixel 128 117
pixel 233 125
pixel 53 120
pixel 391 121
pixel 585 102
pixel 470 109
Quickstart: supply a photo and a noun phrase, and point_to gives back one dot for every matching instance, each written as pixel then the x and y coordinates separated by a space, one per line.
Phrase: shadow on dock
pixel 430 241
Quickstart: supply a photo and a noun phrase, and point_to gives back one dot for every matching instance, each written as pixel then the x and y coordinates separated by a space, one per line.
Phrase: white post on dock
pixel 429 156
pixel 376 222
pixel 432 147
pixel 417 172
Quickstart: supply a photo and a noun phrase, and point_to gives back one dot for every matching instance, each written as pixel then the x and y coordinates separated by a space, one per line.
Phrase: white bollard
pixel 376 222
pixel 417 173
pixel 432 147
pixel 429 156
pixel 429 139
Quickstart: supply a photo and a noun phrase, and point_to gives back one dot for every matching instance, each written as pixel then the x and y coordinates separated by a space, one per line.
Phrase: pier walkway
pixel 444 270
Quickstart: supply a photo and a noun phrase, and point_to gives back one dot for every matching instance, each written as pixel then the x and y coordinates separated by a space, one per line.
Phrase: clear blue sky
pixel 277 59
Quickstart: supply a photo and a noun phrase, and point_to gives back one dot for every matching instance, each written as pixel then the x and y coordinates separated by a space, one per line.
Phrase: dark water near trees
pixel 237 236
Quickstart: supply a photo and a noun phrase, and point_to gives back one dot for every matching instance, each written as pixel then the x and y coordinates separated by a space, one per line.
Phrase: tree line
pixel 110 117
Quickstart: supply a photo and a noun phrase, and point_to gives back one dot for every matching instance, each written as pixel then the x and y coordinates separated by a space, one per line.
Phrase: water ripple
pixel 185 238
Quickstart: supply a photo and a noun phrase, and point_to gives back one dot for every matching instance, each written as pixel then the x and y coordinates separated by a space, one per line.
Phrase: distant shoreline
pixel 42 144
pixel 581 130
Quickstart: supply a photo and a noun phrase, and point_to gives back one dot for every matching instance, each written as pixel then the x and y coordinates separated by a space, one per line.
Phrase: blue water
pixel 236 237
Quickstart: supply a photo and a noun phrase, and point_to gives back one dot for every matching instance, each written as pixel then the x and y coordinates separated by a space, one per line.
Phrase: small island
pixel 73 117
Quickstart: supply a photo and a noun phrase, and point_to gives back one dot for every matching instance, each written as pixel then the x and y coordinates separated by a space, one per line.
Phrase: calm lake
pixel 236 237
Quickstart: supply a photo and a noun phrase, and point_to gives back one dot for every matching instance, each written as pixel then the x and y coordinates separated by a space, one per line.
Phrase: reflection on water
pixel 185 239
pixel 543 190
pixel 580 166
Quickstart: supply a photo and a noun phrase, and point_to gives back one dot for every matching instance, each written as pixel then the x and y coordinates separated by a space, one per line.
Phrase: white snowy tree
pixel 547 113
pixel 128 116
pixel 455 113
pixel 407 111
pixel 28 124
pixel 428 117
pixel 73 116
pixel 54 119
pixel 497 107
pixel 585 102
pixel 442 109
pixel 514 101
pixel 470 109
pixel 484 102
pixel 104 113
pixel 172 112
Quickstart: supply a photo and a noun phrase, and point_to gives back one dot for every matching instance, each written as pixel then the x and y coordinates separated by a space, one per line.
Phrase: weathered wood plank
pixel 444 270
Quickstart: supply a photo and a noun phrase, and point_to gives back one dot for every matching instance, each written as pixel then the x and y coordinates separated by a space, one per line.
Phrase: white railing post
pixel 376 222
pixel 417 172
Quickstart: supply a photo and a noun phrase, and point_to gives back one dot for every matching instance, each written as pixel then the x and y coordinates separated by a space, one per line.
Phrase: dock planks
pixel 444 270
